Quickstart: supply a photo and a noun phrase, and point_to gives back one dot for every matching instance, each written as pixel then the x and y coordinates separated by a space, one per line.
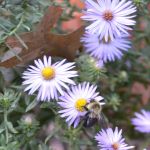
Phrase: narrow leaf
pixel 32 105
pixel 11 128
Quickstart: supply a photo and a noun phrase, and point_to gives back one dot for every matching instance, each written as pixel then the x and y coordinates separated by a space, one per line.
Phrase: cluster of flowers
pixel 105 39
pixel 53 81
pixel 107 36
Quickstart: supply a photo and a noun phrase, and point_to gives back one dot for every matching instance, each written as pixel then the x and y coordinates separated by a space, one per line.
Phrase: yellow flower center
pixel 48 73
pixel 80 103
pixel 115 146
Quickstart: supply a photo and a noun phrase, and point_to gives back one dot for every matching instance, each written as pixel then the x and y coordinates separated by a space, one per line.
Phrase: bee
pixel 94 114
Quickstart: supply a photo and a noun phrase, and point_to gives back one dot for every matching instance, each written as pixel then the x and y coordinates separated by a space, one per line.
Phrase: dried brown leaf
pixel 41 41
pixel 140 89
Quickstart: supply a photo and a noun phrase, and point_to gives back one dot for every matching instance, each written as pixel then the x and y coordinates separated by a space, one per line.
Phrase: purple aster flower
pixel 142 121
pixel 48 79
pixel 74 101
pixel 109 140
pixel 105 51
pixel 109 17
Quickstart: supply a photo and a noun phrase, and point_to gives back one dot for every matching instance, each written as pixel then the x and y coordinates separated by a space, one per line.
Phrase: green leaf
pixel 32 105
pixel 43 147
pixel 44 2
pixel 2 140
pixel 14 145
pixel 1 130
pixel 15 102
pixel 11 128
pixel 2 148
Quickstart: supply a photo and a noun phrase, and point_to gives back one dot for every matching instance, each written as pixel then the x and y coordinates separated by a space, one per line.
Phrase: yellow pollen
pixel 80 103
pixel 108 16
pixel 115 146
pixel 48 73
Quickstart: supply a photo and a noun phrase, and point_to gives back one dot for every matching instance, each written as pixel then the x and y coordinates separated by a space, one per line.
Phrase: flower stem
pixel 5 122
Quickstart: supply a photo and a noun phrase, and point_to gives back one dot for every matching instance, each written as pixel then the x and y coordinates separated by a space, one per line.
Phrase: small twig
pixel 18 26
pixel 13 52
pixel 15 30
pixel 21 41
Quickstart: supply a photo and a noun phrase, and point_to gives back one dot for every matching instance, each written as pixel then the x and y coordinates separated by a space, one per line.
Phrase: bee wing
pixel 103 121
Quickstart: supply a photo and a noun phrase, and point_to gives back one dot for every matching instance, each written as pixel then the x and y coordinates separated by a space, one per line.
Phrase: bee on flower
pixel 75 101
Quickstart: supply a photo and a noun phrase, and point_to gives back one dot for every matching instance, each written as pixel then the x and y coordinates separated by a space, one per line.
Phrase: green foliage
pixel 28 124
pixel 9 100
pixel 89 69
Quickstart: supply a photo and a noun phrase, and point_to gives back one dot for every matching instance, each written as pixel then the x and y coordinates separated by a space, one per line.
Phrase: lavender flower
pixel 142 121
pixel 74 101
pixel 109 17
pixel 109 140
pixel 105 51
pixel 48 79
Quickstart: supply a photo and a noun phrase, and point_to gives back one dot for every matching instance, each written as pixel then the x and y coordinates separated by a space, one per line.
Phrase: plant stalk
pixel 5 123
